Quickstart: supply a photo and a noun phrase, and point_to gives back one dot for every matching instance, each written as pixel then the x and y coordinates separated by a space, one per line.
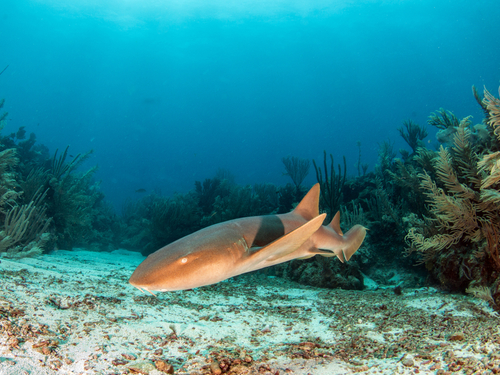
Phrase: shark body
pixel 234 247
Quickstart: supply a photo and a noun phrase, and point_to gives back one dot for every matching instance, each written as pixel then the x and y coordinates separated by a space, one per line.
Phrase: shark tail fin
pixel 352 241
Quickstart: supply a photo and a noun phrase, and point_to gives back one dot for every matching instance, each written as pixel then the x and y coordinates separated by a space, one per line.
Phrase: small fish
pixel 140 191
pixel 234 247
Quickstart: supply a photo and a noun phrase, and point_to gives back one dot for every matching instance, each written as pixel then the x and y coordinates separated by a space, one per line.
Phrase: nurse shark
pixel 237 246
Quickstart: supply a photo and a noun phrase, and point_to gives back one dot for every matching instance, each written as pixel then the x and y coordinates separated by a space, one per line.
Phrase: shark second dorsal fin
pixel 335 223
pixel 289 242
pixel 308 206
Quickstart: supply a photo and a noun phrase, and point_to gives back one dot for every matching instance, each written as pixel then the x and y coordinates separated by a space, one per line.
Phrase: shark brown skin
pixel 234 247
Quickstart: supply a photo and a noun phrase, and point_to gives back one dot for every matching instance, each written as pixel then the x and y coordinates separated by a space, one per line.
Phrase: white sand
pixel 73 312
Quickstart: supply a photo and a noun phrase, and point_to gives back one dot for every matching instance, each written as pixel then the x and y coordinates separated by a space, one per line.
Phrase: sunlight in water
pixel 136 11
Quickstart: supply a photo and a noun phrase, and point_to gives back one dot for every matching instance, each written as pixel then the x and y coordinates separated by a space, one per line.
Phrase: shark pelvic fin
pixel 289 242
pixel 308 206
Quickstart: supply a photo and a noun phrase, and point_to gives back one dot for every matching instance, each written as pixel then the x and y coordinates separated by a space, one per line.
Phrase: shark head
pixel 193 261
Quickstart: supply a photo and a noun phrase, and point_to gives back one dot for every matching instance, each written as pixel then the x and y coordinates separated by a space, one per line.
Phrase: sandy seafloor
pixel 73 312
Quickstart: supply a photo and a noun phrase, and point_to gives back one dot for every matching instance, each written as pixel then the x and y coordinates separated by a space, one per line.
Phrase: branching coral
pixel 209 191
pixel 171 219
pixel 3 115
pixel 443 119
pixel 481 292
pixel 413 134
pixel 36 179
pixel 38 192
pixel 493 108
pixel 72 199
pixel 25 229
pixel 8 185
pixel 447 122
pixel 332 184
pixel 297 169
pixel 460 242
pixel 455 206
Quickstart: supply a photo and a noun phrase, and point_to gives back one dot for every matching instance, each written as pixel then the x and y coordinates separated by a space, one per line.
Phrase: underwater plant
pixel 208 191
pixel 359 165
pixel 44 202
pixel 155 221
pixel 332 185
pixel 72 198
pixel 297 169
pixel 171 219
pixel 240 202
pixel 268 196
pixel 3 115
pixel 24 231
pixel 25 228
pixel 413 134
pixel 8 185
pixel 458 240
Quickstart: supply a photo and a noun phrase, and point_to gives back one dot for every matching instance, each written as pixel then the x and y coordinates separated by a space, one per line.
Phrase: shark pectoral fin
pixel 290 242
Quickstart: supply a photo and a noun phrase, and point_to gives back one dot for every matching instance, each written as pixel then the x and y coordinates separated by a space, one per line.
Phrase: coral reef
pixel 458 238
pixel 25 226
pixel 322 272
pixel 25 229
pixel 442 205
pixel 44 202
pixel 155 221
pixel 413 134
pixel 297 169
pixel 72 199
pixel 331 186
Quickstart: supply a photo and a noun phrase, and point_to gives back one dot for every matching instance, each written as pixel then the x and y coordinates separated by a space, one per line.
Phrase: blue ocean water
pixel 166 92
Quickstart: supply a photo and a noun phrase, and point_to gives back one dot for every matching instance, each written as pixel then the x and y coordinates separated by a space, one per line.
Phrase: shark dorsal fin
pixel 308 206
pixel 335 223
